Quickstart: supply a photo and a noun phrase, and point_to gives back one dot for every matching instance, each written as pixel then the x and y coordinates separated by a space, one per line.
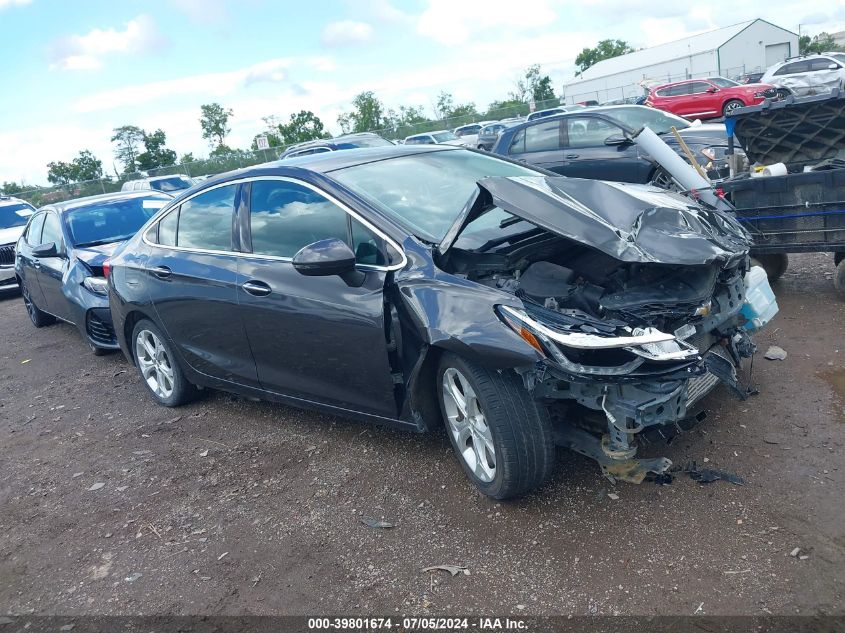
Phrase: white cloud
pixel 347 33
pixel 5 4
pixel 87 52
pixel 205 12
pixel 450 22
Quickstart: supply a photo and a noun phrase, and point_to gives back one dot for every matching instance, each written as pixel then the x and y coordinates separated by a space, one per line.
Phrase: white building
pixel 730 51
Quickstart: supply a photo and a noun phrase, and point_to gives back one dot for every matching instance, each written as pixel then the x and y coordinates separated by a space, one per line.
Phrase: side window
pixel 285 216
pixel 589 131
pixel 52 230
pixel 370 248
pixel 167 228
pixel 699 87
pixel 518 143
pixel 793 68
pixel 821 64
pixel 205 221
pixel 33 233
pixel 543 137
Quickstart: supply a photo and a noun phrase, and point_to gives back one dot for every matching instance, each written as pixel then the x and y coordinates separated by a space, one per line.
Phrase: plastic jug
pixel 760 305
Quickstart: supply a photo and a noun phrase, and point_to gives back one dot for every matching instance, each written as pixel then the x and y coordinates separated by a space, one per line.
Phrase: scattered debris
pixel 794 553
pixel 613 495
pixel 75 475
pixel 121 488
pixel 256 580
pixel 143 452
pixel 708 475
pixel 204 453
pixel 775 353
pixel 223 555
pixel 67 627
pixel 133 577
pixel 375 523
pixel 96 486
pixel 738 571
pixel 452 569
pixel 24 362
pixel 700 608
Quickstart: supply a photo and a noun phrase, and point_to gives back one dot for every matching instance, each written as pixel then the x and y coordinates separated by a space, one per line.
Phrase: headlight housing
pixel 97 285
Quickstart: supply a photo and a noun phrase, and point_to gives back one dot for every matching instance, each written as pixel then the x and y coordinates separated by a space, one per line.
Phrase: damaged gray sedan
pixel 432 286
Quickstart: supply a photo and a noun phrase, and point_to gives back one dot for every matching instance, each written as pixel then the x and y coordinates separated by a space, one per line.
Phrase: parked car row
pixel 416 286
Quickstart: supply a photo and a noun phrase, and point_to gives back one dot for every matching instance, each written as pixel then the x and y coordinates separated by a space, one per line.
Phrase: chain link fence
pixel 214 165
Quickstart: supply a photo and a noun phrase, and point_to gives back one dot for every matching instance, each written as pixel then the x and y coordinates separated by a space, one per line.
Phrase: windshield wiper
pixel 108 240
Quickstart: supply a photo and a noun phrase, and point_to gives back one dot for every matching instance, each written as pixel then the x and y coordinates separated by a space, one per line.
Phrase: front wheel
pixel 38 317
pixel 732 105
pixel 158 366
pixel 839 279
pixel 774 264
pixel 502 437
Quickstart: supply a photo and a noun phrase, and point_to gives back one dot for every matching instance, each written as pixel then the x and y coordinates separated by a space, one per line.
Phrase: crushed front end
pixel 636 301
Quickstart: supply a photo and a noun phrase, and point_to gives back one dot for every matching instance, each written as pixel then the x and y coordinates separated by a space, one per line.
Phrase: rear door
pixel 588 156
pixel 315 338
pixel 540 144
pixel 701 101
pixel 191 274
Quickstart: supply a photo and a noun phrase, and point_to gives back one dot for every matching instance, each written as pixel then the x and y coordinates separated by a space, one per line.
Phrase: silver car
pixel 807 75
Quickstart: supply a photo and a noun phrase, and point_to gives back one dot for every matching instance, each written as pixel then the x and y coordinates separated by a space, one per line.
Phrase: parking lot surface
pixel 112 505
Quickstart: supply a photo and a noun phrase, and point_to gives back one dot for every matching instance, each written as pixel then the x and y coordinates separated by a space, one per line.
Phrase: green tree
pixel 60 172
pixel 11 188
pixel 214 122
pixel 534 86
pixel 603 50
pixel 187 158
pixel 821 43
pixel 221 150
pixel 445 107
pixel 128 139
pixel 86 166
pixel 368 114
pixel 303 126
pixel 156 154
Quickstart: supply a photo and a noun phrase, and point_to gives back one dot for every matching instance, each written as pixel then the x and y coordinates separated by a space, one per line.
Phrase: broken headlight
pixel 97 285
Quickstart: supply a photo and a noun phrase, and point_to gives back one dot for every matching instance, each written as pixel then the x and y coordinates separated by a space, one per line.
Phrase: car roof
pixel 154 178
pixel 327 162
pixel 9 200
pixel 69 205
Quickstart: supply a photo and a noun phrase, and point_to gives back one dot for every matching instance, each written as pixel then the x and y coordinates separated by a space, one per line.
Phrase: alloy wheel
pixel 468 426
pixel 154 363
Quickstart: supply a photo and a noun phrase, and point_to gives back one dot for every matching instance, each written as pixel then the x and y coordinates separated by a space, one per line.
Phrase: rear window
pixel 15 214
pixel 793 68
pixel 176 183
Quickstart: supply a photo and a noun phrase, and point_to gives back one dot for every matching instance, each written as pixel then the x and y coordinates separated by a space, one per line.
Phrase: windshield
pixel 441 137
pixel 722 82
pixel 425 192
pixel 15 214
pixel 839 58
pixel 111 220
pixel 636 117
pixel 175 183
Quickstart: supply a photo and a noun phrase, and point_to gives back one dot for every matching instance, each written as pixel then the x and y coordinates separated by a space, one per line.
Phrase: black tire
pixel 774 264
pixel 783 93
pixel 662 179
pixel 38 317
pixel 838 257
pixel 180 390
pixel 732 105
pixel 518 427
pixel 839 279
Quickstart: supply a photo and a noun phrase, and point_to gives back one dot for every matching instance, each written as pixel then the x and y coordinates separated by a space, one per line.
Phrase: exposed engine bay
pixel 636 320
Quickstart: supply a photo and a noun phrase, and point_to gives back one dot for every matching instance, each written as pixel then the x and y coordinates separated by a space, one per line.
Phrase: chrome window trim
pixel 315 189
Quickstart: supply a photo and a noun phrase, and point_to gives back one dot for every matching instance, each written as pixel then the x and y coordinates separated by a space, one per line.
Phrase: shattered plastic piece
pixel 96 486
pixel 375 523
pixel 794 553
pixel 452 569
pixel 775 353
pixel 613 495
pixel 133 577
pixel 709 475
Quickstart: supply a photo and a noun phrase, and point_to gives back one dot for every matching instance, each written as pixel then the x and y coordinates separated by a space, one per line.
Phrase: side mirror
pixel 327 258
pixel 832 66
pixel 617 139
pixel 712 89
pixel 46 250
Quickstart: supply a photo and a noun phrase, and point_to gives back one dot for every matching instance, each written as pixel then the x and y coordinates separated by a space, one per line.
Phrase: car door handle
pixel 162 272
pixel 570 156
pixel 256 288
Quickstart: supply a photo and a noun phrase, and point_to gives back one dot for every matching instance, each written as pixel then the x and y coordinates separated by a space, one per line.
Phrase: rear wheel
pixel 38 317
pixel 732 105
pixel 839 279
pixel 502 437
pixel 158 366
pixel 774 264
pixel 838 257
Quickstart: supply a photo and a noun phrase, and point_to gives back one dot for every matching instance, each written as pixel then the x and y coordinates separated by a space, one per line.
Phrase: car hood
pixel 632 223
pixel 10 235
pixel 96 255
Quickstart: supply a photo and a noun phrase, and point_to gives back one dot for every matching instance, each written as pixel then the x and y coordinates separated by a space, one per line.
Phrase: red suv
pixel 707 98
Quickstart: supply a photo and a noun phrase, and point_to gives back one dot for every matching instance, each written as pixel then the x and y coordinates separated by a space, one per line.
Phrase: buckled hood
pixel 632 223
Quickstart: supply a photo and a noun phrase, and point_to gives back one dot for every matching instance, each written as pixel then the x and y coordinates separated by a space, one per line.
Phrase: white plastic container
pixel 760 304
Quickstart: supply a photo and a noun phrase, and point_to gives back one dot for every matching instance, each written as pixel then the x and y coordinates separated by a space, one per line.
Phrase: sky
pixel 70 72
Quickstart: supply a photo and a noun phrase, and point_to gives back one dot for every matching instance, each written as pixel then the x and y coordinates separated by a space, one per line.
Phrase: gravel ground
pixel 112 505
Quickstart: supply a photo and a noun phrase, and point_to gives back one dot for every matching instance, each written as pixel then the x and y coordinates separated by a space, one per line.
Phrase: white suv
pixel 14 214
pixel 807 75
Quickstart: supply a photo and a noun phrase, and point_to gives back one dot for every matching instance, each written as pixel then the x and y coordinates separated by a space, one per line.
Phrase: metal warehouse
pixel 730 52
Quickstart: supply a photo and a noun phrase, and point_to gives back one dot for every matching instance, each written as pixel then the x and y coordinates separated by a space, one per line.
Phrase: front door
pixel 589 156
pixel 540 144
pixel 314 338
pixel 191 273
pixel 52 270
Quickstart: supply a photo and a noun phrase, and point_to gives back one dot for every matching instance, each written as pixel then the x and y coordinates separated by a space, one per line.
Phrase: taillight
pixel 106 268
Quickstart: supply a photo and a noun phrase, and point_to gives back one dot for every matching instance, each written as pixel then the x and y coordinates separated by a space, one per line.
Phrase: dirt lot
pixel 111 505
